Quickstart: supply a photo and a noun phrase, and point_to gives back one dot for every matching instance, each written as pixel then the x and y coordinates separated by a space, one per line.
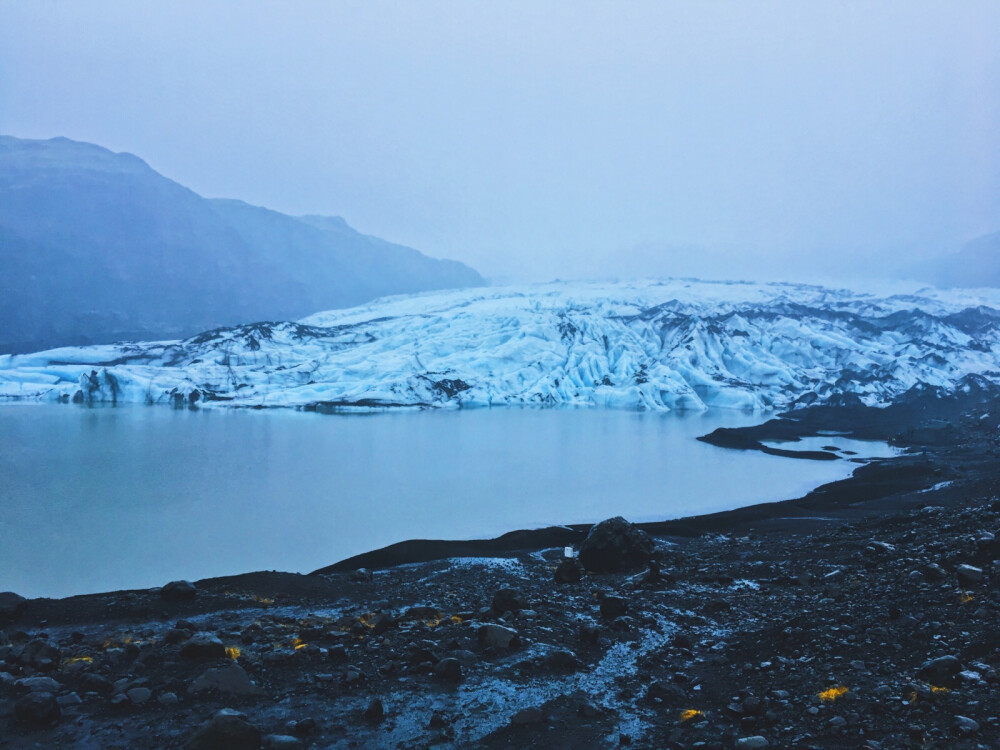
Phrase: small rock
pixel 168 699
pixel 969 575
pixel 37 709
pixel 508 600
pixel 179 591
pixel 231 679
pixel 139 695
pixel 965 725
pixel 40 685
pixel 561 660
pixel 448 670
pixel 613 606
pixel 41 655
pixel 375 713
pixel 751 743
pixel 227 729
pixel 497 636
pixel 941 671
pixel 70 699
pixel 203 646
pixel 569 571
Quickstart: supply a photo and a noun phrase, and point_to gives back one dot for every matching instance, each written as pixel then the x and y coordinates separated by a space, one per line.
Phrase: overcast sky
pixel 539 139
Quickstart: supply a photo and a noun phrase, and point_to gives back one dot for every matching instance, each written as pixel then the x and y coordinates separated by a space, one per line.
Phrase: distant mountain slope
pixel 671 345
pixel 976 264
pixel 97 247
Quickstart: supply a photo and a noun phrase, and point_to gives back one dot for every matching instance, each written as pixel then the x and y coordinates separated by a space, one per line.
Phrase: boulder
pixel 615 545
pixel 497 636
pixel 227 730
pixel 203 646
pixel 179 591
pixel 569 571
pixel 231 680
pixel 508 600
pixel 37 709
pixel 940 672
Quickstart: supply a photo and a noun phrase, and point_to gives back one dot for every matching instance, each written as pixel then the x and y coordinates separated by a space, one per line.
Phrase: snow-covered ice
pixel 678 344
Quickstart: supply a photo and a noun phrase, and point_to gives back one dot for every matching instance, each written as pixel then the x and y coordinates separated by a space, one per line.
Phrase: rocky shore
pixel 865 615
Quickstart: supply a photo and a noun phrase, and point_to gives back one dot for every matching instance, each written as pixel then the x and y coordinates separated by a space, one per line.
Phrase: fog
pixel 559 139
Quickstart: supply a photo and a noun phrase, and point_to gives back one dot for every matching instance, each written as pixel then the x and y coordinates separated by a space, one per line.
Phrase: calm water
pixel 102 499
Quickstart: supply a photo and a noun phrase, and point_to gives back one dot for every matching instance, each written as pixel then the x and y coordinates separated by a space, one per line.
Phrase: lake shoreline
pixel 740 631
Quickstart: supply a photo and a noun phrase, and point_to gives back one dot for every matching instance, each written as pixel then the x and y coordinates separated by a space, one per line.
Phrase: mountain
pixel 680 344
pixel 976 264
pixel 98 247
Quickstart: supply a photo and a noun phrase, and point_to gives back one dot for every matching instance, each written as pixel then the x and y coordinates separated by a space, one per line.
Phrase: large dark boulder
pixel 37 709
pixel 615 545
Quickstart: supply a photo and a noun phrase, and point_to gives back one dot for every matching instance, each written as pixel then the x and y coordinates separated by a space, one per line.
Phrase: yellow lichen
pixel 78 660
pixel 298 644
pixel 691 713
pixel 831 694
pixel 935 689
pixel 233 652
pixel 456 620
pixel 965 597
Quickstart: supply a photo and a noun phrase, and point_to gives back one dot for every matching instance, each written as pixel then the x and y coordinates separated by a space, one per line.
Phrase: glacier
pixel 658 345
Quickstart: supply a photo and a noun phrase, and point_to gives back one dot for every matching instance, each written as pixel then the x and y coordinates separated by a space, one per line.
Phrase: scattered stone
pixel 615 545
pixel 37 709
pixel 41 655
pixel 231 679
pixel 969 575
pixel 203 646
pixel 751 743
pixel 508 600
pixel 965 725
pixel 497 637
pixel 228 729
pixel 569 571
pixel 139 695
pixel 940 672
pixel 179 591
pixel 449 670
pixel 375 713
pixel 613 606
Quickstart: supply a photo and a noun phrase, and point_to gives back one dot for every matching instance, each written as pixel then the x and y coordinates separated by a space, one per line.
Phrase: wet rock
pixel 231 680
pixel 375 713
pixel 228 729
pixel 969 575
pixel 203 646
pixel 497 637
pixel 569 571
pixel 615 545
pixel 37 709
pixel 448 670
pixel 613 606
pixel 41 655
pixel 175 635
pixel 10 604
pixel 70 699
pixel 178 591
pixel 168 699
pixel 353 676
pixel 940 671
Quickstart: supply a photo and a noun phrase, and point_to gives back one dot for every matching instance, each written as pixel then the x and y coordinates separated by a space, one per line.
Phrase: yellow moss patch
pixel 935 689
pixel 78 660
pixel 691 713
pixel 831 694
pixel 965 598
pixel 233 652
pixel 298 643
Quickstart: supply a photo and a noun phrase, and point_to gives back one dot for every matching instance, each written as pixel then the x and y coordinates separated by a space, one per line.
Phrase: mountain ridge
pixel 98 247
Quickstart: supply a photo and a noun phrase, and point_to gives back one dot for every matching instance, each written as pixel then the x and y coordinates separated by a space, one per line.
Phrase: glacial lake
pixel 99 499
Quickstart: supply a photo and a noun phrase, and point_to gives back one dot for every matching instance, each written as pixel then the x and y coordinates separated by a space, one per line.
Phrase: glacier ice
pixel 676 344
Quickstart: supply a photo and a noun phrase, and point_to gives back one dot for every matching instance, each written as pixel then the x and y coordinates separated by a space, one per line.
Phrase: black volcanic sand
pixel 808 624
